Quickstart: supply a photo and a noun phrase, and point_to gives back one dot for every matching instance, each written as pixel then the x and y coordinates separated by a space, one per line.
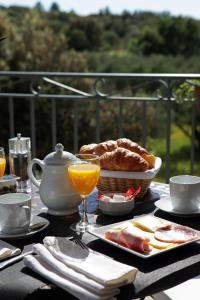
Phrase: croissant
pixel 88 149
pixel 150 158
pixel 105 147
pixel 132 146
pixel 123 160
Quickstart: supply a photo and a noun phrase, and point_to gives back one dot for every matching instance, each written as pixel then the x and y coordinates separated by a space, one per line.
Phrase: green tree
pixel 39 6
pixel 54 7
pixel 85 34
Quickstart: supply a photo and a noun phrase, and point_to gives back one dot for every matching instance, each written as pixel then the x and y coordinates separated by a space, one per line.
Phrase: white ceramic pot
pixel 56 190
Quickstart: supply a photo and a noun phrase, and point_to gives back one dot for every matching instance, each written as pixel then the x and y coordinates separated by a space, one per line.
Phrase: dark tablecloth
pixel 155 274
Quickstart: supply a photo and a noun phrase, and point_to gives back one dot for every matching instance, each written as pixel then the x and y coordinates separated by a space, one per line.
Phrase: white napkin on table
pixel 85 274
pixel 7 250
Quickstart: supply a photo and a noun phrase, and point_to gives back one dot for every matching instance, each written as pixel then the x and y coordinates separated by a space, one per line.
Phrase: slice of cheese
pixel 156 243
pixel 149 223
pixel 122 226
pixel 160 245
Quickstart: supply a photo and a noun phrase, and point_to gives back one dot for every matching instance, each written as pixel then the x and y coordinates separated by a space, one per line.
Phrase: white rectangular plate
pixel 100 231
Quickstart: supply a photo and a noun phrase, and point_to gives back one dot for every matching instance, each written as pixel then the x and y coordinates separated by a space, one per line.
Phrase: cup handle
pixel 27 210
pixel 30 170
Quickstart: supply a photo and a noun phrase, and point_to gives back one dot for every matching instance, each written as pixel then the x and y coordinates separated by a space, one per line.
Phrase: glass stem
pixel 84 218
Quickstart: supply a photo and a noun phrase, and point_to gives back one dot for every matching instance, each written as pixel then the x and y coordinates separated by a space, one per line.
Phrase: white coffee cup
pixel 185 193
pixel 15 213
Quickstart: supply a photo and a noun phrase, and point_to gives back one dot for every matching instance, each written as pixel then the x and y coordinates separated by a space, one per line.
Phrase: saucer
pixel 165 205
pixel 30 232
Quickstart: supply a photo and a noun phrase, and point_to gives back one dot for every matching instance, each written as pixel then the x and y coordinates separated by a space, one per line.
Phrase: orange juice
pixel 84 177
pixel 2 166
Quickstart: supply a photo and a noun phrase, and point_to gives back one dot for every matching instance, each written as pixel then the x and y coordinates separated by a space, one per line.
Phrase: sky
pixel 85 7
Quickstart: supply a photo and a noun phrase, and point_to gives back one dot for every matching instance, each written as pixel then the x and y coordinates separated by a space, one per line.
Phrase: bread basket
pixel 120 181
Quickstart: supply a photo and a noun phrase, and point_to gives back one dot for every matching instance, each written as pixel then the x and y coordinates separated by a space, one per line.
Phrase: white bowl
pixel 115 208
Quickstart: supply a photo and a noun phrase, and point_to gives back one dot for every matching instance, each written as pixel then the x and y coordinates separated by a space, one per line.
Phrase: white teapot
pixel 55 188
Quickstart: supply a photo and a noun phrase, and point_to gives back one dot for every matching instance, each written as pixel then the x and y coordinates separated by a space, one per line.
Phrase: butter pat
pixel 106 198
pixel 118 198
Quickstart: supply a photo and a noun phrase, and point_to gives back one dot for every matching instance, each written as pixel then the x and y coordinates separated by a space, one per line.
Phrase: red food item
pixel 175 234
pixel 129 195
pixel 130 237
pixel 100 197
pixel 132 193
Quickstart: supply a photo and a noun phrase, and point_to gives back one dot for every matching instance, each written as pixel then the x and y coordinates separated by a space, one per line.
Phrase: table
pixel 155 274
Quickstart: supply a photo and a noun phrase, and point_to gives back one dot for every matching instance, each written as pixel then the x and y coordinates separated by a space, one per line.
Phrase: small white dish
pixel 165 205
pixel 30 232
pixel 116 208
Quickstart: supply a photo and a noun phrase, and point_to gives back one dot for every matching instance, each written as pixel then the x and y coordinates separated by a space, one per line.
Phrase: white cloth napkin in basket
pixel 86 274
pixel 7 250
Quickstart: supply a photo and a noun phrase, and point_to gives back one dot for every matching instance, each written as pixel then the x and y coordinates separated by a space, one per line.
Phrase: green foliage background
pixel 140 42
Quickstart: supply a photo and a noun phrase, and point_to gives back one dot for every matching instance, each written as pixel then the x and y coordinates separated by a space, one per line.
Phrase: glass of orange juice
pixel 84 174
pixel 2 161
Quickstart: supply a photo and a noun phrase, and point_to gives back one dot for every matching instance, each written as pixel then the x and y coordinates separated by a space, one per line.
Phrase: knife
pixel 14 259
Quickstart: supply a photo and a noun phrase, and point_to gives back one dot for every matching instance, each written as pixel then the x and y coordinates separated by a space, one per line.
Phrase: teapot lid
pixel 59 157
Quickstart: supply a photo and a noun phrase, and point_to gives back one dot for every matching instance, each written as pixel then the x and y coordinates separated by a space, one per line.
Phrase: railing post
pixel 75 131
pixel 53 123
pixel 98 121
pixel 168 133
pixel 120 119
pixel 11 117
pixel 32 126
pixel 193 124
pixel 144 124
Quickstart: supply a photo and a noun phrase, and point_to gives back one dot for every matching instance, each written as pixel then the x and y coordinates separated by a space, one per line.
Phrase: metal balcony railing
pixel 68 92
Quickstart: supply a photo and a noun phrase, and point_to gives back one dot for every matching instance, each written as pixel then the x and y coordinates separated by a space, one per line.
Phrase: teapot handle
pixel 30 170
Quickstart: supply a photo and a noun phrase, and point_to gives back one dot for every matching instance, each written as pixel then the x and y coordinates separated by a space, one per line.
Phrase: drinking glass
pixel 84 174
pixel 2 162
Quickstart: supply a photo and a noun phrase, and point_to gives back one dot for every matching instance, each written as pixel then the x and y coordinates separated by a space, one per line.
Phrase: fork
pixel 77 240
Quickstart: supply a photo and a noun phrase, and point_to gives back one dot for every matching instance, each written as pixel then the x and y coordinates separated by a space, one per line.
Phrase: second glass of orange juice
pixel 84 174
pixel 2 161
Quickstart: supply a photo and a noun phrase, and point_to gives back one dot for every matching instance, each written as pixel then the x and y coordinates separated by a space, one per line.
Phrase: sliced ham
pixel 135 239
pixel 130 237
pixel 113 235
pixel 175 234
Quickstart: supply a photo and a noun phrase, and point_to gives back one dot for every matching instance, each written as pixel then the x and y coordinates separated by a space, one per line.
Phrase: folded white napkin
pixel 7 250
pixel 85 274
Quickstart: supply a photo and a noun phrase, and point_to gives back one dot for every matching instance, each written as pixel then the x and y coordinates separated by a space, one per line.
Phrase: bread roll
pixel 88 149
pixel 123 160
pixel 132 146
pixel 107 146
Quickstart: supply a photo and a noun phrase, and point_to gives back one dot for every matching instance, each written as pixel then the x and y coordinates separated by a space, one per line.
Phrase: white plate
pixel 165 205
pixel 100 231
pixel 35 220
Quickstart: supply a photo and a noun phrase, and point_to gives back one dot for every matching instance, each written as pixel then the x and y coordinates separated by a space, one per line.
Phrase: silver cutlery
pixel 79 242
pixel 36 226
pixel 14 259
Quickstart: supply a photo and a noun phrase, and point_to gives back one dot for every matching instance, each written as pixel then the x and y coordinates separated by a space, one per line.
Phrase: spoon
pixel 36 226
